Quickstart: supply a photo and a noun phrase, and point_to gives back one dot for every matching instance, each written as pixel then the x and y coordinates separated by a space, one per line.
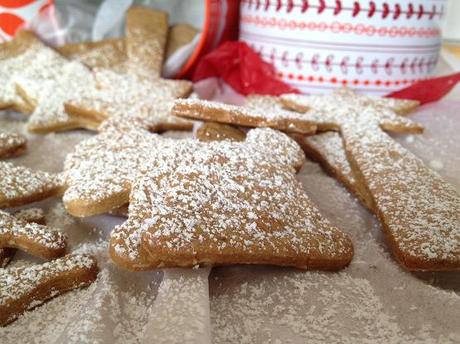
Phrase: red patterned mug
pixel 371 46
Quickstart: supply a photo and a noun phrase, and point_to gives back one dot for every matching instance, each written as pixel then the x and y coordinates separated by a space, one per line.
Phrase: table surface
pixel 373 300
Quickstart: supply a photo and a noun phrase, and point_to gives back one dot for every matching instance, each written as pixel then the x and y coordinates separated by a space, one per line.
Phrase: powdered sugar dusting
pixel 223 196
pixel 10 143
pixel 18 184
pixel 13 231
pixel 420 211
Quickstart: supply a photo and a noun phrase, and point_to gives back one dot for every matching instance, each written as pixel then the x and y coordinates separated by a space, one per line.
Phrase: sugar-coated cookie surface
pixel 212 131
pixel 20 185
pixel 108 53
pixel 22 289
pixel 35 239
pixel 15 56
pixel 227 203
pixel 101 170
pixel 146 34
pixel 419 212
pixel 128 98
pixel 11 144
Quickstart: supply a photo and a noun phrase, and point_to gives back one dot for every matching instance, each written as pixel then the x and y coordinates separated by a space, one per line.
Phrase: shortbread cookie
pixel 129 99
pixel 108 53
pixel 101 170
pixel 12 144
pixel 37 240
pixel 419 212
pixel 20 185
pixel 25 288
pixel 146 34
pixel 212 131
pixel 31 215
pixel 227 203
pixel 178 36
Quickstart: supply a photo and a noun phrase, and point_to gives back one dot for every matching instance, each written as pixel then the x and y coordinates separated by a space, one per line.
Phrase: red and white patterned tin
pixel 15 14
pixel 371 46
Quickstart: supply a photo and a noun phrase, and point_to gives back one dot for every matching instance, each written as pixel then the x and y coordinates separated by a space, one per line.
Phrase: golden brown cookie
pixel 30 215
pixel 16 56
pixel 22 289
pixel 419 212
pixel 12 144
pixel 127 101
pixel 101 170
pixel 178 36
pixel 146 35
pixel 226 202
pixel 265 111
pixel 48 82
pixel 212 131
pixel 33 215
pixel 108 53
pixel 37 240
pixel 20 185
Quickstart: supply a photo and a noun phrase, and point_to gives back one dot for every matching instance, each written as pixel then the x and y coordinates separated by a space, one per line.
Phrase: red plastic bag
pixel 243 69
pixel 430 90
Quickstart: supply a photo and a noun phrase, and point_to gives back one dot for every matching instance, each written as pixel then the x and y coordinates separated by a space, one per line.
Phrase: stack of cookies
pixel 228 196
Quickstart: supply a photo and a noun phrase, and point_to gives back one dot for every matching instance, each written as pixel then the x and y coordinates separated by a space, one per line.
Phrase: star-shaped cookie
pixel 127 99
pixel 418 210
pixel 226 203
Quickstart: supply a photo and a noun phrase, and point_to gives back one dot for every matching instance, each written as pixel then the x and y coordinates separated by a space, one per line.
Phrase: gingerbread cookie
pixel 47 85
pixel 20 185
pixel 212 131
pixel 37 240
pixel 12 144
pixel 22 289
pixel 146 35
pixel 101 170
pixel 419 212
pixel 226 203
pixel 15 57
pixel 264 111
pixel 253 116
pixel 108 53
pixel 127 101
pixel 31 215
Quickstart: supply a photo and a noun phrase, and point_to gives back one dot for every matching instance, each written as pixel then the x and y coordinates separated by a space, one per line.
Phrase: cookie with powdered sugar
pixel 12 144
pixel 226 202
pixel 146 35
pixel 100 171
pixel 30 215
pixel 14 56
pixel 107 53
pixel 46 82
pixel 264 111
pixel 20 185
pixel 419 211
pixel 125 98
pixel 35 239
pixel 212 131
pixel 24 288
